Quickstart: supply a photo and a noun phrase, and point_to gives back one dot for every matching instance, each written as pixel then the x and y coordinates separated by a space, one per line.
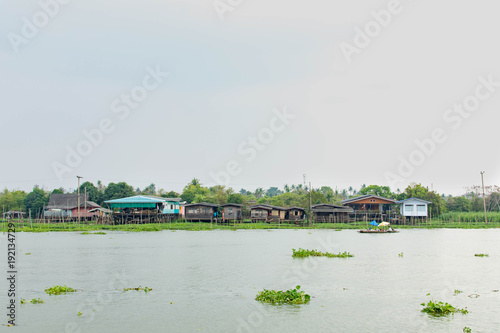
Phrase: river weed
pixel 57 290
pixel 439 309
pixel 279 297
pixel 146 289
pixel 302 253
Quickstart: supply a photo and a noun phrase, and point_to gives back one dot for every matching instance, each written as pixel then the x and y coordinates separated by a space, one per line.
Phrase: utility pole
pixel 78 198
pixel 310 204
pixel 484 198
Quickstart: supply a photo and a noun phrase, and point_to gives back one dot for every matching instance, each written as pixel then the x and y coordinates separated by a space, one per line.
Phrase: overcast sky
pixel 257 93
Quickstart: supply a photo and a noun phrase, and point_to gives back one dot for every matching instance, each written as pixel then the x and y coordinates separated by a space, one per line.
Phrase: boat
pixel 378 231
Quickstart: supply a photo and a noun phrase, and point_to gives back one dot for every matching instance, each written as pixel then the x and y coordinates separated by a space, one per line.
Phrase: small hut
pixel 13 214
pixel 267 213
pixel 295 214
pixel 326 213
pixel 201 212
pixel 231 212
pixel 413 207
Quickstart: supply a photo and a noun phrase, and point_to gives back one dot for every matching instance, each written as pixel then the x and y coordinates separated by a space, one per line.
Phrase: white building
pixel 413 207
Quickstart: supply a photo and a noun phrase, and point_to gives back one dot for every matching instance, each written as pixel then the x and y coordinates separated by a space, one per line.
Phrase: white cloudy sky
pixel 354 122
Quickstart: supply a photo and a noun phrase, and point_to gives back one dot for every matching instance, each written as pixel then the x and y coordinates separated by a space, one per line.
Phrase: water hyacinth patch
pixel 279 297
pixel 37 301
pixel 439 309
pixel 146 289
pixel 57 290
pixel 301 253
pixel 481 255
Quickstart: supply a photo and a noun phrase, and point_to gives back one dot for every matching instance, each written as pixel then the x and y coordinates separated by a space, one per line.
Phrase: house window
pixel 372 200
pixel 408 208
pixel 420 208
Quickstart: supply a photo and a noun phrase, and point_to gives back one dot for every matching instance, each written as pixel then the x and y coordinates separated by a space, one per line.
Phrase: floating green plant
pixel 146 289
pixel 401 254
pixel 301 253
pixel 279 297
pixel 458 292
pixel 481 255
pixel 37 301
pixel 57 290
pixel 440 309
pixel 79 314
pixel 23 301
pixel 28 253
pixel 467 330
pixel 93 233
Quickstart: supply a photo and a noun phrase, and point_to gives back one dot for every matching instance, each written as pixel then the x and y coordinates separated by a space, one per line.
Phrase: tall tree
pixel 118 190
pixel 194 192
pixel 236 198
pixel 259 193
pixel 12 200
pixel 195 182
pixel 93 192
pixel 273 191
pixel 383 191
pixel 35 201
pixel 149 190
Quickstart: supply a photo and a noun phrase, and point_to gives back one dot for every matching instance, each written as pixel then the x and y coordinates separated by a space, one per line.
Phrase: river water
pixel 206 281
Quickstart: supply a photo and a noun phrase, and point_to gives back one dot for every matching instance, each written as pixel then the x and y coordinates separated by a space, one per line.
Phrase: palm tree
pixel 259 192
pixel 195 182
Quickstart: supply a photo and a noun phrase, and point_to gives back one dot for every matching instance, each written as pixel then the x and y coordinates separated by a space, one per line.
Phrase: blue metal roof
pixel 138 199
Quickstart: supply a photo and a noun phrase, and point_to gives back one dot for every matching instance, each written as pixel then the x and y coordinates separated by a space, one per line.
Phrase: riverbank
pixel 26 226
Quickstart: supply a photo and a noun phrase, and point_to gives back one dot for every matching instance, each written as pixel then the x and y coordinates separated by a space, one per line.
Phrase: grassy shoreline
pixel 26 226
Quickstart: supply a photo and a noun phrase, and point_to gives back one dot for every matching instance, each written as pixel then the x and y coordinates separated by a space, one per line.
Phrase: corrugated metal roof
pixel 416 199
pixel 138 199
pixel 366 196
pixel 64 201
pixel 206 204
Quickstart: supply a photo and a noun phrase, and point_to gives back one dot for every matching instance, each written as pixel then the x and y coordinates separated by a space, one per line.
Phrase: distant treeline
pixel 289 195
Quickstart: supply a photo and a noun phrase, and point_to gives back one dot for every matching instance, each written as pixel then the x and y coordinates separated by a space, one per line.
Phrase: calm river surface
pixel 206 281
